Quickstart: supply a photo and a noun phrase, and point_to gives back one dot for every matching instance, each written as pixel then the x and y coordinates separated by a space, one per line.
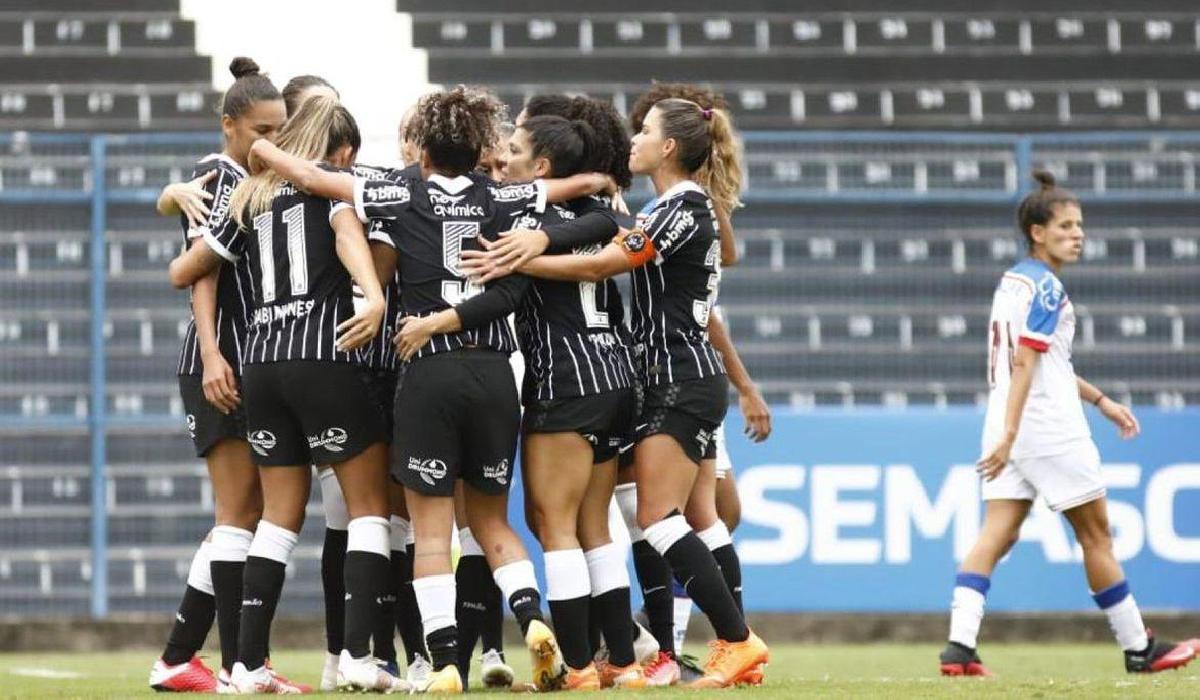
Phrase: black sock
pixel 526 604
pixel 366 584
pixel 443 647
pixel 408 616
pixel 612 607
pixel 731 571
pixel 654 574
pixel 227 587
pixel 570 618
pixel 262 584
pixel 492 631
pixel 595 629
pixel 333 582
pixel 192 622
pixel 694 566
pixel 470 580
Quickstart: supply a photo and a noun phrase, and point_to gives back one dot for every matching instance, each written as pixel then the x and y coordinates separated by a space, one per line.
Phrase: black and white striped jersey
pixel 301 290
pixel 380 353
pixel 233 284
pixel 566 330
pixel 674 293
pixel 430 222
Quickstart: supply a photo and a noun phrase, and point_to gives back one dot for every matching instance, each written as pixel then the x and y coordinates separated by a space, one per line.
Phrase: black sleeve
pixel 597 226
pixel 497 301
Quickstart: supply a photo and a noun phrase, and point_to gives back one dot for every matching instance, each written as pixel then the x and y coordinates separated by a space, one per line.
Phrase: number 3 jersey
pixel 566 329
pixel 301 290
pixel 1031 308
pixel 674 292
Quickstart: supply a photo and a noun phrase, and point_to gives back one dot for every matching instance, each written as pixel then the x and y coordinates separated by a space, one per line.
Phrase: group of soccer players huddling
pixel 355 319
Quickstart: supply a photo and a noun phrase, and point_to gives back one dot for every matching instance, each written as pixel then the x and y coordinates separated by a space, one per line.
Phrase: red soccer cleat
pixel 302 688
pixel 959 660
pixel 191 676
pixel 1160 656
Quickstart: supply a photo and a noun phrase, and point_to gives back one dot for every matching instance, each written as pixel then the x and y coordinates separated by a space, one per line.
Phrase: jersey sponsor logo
pixel 387 193
pixel 331 439
pixel 514 193
pixel 280 312
pixel 191 425
pixel 526 222
pixel 1050 293
pixel 678 226
pixel 497 471
pixel 261 441
pixel 452 205
pixel 221 202
pixel 564 212
pixel 430 470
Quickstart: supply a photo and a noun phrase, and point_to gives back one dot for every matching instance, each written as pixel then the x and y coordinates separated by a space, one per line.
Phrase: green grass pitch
pixel 868 671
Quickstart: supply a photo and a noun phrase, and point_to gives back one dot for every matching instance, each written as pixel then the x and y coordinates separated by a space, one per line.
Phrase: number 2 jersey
pixel 233 283
pixel 300 288
pixel 567 330
pixel 1031 308
pixel 674 292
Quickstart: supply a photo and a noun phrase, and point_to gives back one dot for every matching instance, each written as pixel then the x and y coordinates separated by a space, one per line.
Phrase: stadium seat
pixel 452 33
pixel 641 33
pixel 709 34
pixel 819 34
pixel 1068 32
pixel 982 32
pixel 893 34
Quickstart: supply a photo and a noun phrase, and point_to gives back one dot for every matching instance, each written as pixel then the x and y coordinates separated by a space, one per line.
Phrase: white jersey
pixel 1030 308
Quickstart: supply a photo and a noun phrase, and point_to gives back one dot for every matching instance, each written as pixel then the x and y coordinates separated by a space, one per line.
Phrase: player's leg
pixel 480 610
pixel 333 572
pixel 653 574
pixel 408 615
pixel 434 585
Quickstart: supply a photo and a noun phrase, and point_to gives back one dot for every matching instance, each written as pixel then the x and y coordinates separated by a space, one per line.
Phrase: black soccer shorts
pixel 206 425
pixel 688 411
pixel 458 418
pixel 604 420
pixel 303 412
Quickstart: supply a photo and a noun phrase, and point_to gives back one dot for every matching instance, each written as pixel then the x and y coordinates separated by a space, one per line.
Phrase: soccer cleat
pixel 546 660
pixel 752 677
pixel 645 646
pixel 223 686
pixel 329 673
pixel 582 679
pixel 631 676
pixel 192 676
pixel 418 671
pixel 728 661
pixel 283 680
pixel 259 681
pixel 444 682
pixel 1159 656
pixel 495 673
pixel 366 674
pixel 689 668
pixel 961 660
pixel 661 672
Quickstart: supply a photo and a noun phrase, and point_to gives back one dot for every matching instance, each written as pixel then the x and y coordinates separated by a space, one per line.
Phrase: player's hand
pixel 991 465
pixel 191 198
pixel 359 329
pixel 512 250
pixel 618 203
pixel 757 415
pixel 414 334
pixel 1121 416
pixel 255 163
pixel 219 383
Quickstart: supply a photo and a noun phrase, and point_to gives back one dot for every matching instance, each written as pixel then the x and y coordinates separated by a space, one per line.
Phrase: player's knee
pixel 1094 537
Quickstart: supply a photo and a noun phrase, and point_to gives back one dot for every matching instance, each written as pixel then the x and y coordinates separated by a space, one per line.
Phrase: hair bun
pixel 1045 178
pixel 242 66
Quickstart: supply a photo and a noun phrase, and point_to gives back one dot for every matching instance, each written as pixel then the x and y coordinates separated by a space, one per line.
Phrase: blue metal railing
pixel 1021 151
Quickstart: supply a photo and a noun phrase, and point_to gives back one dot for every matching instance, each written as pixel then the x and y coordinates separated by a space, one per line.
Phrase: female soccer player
pixel 307 400
pixel 210 371
pixel 1036 440
pixel 456 341
pixel 684 379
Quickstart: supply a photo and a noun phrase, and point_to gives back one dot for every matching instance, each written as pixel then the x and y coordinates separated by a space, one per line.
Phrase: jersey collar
pixel 451 185
pixel 227 161
pixel 680 188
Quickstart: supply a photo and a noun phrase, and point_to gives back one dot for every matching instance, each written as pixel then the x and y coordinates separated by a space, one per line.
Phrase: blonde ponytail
pixel 721 174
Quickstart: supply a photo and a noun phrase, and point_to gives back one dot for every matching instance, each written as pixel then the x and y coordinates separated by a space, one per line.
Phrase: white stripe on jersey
pixel 578 374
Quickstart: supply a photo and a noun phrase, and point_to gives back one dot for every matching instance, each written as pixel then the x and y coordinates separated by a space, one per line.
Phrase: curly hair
pixel 706 98
pixel 455 126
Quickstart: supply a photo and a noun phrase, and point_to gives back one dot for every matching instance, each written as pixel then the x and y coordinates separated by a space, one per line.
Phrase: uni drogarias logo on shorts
pixel 331 439
pixel 497 471
pixel 191 425
pixel 430 470
pixel 261 441
pixel 702 439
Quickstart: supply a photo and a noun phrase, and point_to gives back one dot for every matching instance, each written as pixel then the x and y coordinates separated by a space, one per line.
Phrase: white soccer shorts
pixel 1065 480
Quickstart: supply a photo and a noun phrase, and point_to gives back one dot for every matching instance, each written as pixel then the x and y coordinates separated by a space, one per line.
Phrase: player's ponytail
pixel 249 87
pixel 706 148
pixel 454 127
pixel 1037 209
pixel 568 145
pixel 297 86
pixel 319 128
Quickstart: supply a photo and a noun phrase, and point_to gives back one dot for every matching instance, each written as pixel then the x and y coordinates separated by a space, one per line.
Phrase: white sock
pixel 626 497
pixel 273 542
pixel 715 536
pixel 369 533
pixel 681 614
pixel 1124 618
pixel 666 532
pixel 399 535
pixel 567 575
pixel 606 568
pixel 230 543
pixel 435 599
pixel 200 575
pixel 337 517
pixel 515 576
pixel 966 615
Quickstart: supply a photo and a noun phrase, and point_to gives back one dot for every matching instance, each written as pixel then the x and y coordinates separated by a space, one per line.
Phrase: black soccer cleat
pixel 1159 655
pixel 961 660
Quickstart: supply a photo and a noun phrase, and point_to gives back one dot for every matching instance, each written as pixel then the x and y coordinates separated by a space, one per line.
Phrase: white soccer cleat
pixel 223 686
pixel 260 681
pixel 329 673
pixel 496 673
pixel 645 646
pixel 418 671
pixel 367 675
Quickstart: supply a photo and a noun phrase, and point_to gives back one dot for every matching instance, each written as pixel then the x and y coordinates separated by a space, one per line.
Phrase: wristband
pixel 1099 398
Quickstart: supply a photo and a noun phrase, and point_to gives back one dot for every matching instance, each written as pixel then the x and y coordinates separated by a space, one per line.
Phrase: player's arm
pixel 517 247
pixel 1120 415
pixel 218 382
pixel 729 255
pixel 187 198
pixel 579 185
pixel 1024 364
pixel 497 301
pixel 194 264
pixel 304 174
pixel 350 242
pixel 750 399
pixel 383 252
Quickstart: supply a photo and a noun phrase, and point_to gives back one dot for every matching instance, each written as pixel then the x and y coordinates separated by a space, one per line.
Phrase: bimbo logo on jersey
pixel 388 193
pixel 513 193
